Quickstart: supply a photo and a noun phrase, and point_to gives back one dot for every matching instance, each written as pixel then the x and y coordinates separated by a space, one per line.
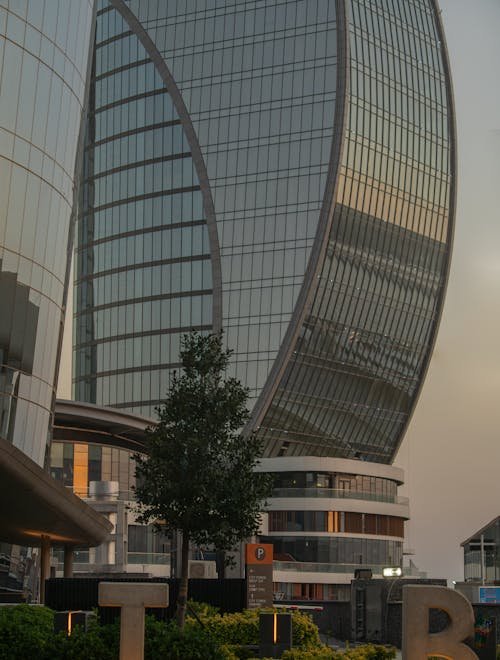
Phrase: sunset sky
pixel 451 453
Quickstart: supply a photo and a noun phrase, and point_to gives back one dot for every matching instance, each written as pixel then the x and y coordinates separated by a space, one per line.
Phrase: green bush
pixel 192 643
pixel 365 652
pixel 98 643
pixel 236 628
pixel 28 632
pixel 25 632
pixel 201 610
pixel 240 628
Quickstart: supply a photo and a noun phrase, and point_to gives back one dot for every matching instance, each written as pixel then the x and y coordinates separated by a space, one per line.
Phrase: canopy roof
pixel 33 505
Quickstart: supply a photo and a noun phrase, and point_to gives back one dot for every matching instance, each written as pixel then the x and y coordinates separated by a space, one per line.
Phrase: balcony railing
pixel 339 493
pixel 148 558
pixel 303 566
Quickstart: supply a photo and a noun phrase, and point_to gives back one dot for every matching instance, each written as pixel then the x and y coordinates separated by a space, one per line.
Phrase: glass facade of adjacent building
pixel 44 50
pixel 78 464
pixel 482 555
pixel 92 455
pixel 86 468
pixel 283 171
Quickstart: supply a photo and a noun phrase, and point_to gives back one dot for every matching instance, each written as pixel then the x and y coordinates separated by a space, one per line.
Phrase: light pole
pixel 395 575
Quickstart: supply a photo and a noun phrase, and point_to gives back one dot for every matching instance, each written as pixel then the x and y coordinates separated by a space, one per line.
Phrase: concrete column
pixel 44 564
pixel 69 553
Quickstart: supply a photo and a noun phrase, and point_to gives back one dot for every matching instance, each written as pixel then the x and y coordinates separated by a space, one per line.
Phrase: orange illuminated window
pixel 81 470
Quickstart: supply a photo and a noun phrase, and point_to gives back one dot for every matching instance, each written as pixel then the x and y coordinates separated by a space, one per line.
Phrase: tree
pixel 197 476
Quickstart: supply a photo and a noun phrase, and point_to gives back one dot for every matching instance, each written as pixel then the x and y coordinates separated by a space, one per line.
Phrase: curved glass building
pixel 283 171
pixel 44 55
pixel 44 51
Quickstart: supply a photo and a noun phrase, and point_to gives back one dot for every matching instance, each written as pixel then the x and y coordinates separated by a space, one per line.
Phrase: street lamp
pixel 395 572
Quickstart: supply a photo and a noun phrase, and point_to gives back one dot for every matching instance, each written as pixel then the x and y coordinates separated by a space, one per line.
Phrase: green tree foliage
pixel 197 476
pixel 25 632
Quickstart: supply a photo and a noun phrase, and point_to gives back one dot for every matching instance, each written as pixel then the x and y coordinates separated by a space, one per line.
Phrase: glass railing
pixel 339 493
pixel 122 495
pixel 148 558
pixel 303 566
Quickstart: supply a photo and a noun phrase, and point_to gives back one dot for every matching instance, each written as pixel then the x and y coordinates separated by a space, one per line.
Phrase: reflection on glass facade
pixel 336 521
pixel 334 484
pixel 76 464
pixel 364 338
pixel 44 49
pixel 336 551
pixel 144 272
pixel 85 468
pixel 293 160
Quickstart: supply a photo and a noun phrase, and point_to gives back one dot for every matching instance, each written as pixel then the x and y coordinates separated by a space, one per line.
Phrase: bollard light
pixel 275 633
pixel 69 619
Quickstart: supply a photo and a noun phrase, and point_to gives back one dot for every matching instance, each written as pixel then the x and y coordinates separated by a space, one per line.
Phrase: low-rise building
pixel 329 517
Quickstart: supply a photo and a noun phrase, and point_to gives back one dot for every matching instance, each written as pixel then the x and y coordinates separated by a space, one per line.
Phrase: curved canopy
pixel 86 422
pixel 35 505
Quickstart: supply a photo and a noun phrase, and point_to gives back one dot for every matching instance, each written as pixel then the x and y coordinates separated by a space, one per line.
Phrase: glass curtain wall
pixel 259 86
pixel 363 346
pixel 259 82
pixel 143 269
pixel 44 50
pixel 324 134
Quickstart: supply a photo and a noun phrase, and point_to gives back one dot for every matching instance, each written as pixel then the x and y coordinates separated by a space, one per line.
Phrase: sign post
pixel 259 572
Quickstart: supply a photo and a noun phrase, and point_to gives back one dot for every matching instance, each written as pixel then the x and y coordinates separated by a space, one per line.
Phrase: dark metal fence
pixel 229 595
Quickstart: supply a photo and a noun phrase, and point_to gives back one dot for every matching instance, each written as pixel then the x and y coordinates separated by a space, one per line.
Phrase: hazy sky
pixel 451 453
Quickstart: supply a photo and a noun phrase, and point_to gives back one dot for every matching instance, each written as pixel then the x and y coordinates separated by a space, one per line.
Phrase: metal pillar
pixel 69 553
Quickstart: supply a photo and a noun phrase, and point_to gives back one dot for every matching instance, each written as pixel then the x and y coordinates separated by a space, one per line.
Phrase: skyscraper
pixel 43 58
pixel 44 52
pixel 283 171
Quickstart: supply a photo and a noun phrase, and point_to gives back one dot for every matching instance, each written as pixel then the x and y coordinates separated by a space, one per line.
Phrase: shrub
pixel 240 628
pixel 28 632
pixel 365 652
pixel 25 631
pixel 236 628
pixel 100 642
pixel 369 652
pixel 318 654
pixel 201 610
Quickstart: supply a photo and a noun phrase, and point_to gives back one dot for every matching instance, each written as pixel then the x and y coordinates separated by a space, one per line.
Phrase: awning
pixel 33 504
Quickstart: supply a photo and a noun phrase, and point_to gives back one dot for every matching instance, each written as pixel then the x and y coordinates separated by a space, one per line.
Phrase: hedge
pixel 28 632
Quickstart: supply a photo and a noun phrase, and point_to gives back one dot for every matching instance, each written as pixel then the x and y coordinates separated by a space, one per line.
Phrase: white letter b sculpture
pixel 418 642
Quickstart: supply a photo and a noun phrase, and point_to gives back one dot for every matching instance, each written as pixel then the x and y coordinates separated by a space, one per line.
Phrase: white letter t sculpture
pixel 132 597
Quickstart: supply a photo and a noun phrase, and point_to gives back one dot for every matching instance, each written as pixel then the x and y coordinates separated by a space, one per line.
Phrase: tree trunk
pixel 183 586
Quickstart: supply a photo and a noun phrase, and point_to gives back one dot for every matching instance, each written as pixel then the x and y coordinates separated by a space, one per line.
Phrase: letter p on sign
pixel 418 642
